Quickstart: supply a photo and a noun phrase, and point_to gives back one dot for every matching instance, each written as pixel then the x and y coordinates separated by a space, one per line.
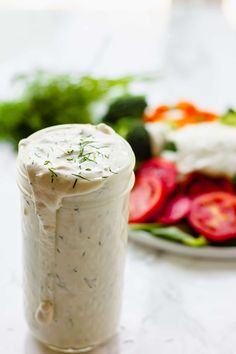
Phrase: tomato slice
pixel 214 216
pixel 197 183
pixel 146 198
pixel 163 169
pixel 175 210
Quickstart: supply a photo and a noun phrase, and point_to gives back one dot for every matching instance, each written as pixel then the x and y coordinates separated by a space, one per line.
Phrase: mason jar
pixel 73 276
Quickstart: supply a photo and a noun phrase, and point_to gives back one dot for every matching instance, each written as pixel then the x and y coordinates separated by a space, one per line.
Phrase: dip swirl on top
pixel 67 156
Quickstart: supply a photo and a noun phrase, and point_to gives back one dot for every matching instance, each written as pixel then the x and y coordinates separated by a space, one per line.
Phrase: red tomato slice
pixel 197 183
pixel 163 169
pixel 214 216
pixel 146 198
pixel 175 210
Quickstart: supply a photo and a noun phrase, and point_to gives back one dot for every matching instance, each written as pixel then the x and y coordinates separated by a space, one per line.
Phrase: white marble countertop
pixel 171 304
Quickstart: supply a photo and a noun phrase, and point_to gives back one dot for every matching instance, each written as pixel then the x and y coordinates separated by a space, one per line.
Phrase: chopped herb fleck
pixel 103 146
pixel 53 173
pixel 113 171
pixel 46 162
pixel 90 282
pixel 86 142
pixel 86 158
pixel 68 152
pixel 36 154
pixel 75 183
pixel 76 175
pixel 60 283
pixel 51 169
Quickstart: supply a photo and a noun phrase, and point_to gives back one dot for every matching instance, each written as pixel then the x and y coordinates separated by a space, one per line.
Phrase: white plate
pixel 200 252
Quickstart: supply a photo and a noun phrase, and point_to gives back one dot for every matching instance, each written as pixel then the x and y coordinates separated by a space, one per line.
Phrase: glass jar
pixel 80 268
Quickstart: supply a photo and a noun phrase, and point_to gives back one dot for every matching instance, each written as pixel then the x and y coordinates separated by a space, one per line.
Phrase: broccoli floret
pixel 170 146
pixel 139 140
pixel 125 106
pixel 126 124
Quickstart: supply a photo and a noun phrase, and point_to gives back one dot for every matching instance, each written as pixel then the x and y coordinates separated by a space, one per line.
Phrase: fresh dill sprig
pixel 103 155
pixel 42 89
pixel 82 145
pixel 86 159
pixel 36 154
pixel 86 142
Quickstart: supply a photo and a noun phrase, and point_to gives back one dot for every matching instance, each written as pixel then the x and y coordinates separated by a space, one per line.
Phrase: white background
pixel 171 304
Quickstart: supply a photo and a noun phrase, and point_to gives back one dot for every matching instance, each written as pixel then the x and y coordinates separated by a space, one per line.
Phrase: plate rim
pixel 206 252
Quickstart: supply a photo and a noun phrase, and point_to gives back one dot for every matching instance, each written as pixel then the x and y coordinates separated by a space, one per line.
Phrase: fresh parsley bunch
pixel 49 100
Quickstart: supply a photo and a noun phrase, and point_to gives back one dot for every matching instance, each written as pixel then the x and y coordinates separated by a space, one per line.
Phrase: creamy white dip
pixel 206 147
pixel 75 181
pixel 158 133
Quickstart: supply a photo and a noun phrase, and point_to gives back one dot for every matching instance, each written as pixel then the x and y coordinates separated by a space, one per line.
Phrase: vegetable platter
pixel 184 198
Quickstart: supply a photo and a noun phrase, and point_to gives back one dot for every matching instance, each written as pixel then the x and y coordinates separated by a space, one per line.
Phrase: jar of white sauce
pixel 75 182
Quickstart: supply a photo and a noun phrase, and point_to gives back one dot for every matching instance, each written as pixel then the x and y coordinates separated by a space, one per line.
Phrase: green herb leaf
pixel 46 162
pixel 50 100
pixel 51 169
pixel 171 233
pixel 79 176
pixel 229 118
